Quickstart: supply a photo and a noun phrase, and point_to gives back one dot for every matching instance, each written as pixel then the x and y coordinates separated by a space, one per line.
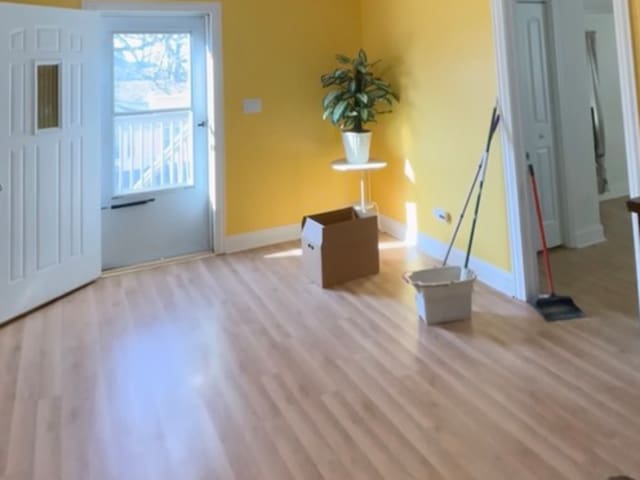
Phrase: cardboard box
pixel 339 246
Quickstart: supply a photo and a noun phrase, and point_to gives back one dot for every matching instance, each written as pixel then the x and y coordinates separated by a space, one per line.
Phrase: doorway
pixel 590 103
pixel 572 106
pixel 155 171
pixel 601 276
pixel 201 20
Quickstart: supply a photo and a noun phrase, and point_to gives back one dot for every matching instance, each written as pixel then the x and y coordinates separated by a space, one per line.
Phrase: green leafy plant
pixel 356 93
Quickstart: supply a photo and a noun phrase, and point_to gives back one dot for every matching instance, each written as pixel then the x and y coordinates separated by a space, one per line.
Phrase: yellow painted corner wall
pixel 635 25
pixel 440 56
pixel 278 162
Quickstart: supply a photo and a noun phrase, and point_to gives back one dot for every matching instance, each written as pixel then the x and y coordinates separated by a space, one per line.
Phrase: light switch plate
pixel 251 106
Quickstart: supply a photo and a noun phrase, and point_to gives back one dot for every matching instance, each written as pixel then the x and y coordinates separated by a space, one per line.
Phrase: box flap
pixel 329 218
pixel 313 225
pixel 312 232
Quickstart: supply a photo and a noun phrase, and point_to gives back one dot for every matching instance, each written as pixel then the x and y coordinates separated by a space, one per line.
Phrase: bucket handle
pixel 406 277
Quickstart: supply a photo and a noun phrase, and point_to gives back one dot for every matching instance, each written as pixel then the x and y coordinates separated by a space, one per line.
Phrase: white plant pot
pixel 357 146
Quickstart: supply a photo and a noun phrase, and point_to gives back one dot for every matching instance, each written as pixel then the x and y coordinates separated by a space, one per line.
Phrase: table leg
pixel 363 196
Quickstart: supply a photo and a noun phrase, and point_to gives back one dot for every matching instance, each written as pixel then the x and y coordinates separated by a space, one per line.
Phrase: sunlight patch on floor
pixel 294 252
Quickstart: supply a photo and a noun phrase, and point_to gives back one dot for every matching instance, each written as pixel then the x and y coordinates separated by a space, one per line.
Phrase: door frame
pixel 521 235
pixel 212 11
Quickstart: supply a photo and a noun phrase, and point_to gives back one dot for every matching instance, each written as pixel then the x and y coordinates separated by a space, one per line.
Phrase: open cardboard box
pixel 339 246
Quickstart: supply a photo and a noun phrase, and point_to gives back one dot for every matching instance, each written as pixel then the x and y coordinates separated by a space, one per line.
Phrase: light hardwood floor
pixel 602 278
pixel 238 368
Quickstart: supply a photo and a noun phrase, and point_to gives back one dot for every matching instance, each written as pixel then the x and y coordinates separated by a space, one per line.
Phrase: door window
pixel 47 99
pixel 153 116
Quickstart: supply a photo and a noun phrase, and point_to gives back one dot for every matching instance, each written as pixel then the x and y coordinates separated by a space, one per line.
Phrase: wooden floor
pixel 602 278
pixel 237 368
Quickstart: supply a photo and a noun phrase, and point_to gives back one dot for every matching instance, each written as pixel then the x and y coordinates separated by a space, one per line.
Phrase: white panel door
pixel 49 165
pixel 538 111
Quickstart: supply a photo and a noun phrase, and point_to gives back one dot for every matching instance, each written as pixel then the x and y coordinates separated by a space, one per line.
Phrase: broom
pixel 552 307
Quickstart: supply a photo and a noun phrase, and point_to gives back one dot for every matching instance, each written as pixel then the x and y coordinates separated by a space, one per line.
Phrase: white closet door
pixel 538 111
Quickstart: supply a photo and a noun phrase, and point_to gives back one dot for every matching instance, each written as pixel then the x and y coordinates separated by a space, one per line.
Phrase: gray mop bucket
pixel 443 294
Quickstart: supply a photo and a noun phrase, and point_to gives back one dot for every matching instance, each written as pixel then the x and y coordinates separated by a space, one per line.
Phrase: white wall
pixel 611 99
pixel 598 6
pixel 579 198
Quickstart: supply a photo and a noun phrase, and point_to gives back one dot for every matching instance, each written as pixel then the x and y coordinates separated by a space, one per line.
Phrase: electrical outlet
pixel 442 215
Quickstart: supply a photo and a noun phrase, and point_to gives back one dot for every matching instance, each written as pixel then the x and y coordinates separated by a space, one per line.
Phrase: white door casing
pixel 49 203
pixel 537 110
pixel 212 11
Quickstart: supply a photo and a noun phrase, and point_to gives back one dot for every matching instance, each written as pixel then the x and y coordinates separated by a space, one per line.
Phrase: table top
pixel 633 205
pixel 343 166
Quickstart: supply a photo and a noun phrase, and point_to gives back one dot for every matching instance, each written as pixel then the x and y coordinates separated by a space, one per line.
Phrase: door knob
pixel 202 124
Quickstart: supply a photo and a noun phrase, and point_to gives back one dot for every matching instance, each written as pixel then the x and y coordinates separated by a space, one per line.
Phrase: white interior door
pixel 155 175
pixel 49 169
pixel 537 110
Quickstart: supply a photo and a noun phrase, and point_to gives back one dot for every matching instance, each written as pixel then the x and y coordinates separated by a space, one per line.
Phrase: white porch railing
pixel 153 152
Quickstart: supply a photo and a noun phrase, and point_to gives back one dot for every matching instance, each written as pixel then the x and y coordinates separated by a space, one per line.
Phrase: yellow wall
pixel 278 162
pixel 443 65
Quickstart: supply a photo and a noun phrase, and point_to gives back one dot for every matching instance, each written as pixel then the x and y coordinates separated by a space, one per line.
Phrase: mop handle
pixel 483 159
pixel 464 210
pixel 476 214
pixel 543 236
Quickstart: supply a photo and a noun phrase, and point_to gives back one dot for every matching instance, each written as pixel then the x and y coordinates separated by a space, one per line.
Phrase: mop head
pixel 555 308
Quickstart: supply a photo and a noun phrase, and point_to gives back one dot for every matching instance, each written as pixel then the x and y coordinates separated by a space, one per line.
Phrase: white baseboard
pixel 261 238
pixel 618 190
pixel 590 236
pixel 488 274
pixel 491 275
pixel 393 227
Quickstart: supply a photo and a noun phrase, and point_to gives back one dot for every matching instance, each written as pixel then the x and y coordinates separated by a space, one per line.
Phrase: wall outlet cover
pixel 442 215
pixel 252 106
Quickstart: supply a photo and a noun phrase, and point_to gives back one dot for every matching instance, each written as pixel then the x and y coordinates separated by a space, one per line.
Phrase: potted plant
pixel 353 101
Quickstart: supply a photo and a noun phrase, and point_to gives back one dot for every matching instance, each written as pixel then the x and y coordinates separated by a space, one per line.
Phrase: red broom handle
pixel 543 236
